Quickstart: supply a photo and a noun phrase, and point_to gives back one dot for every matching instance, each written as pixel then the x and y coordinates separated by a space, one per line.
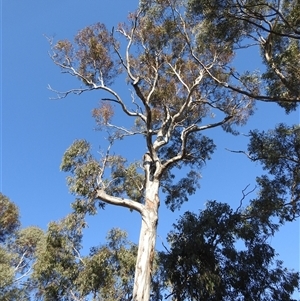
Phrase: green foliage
pixel 278 152
pixel 285 55
pixel 85 170
pixel 222 254
pixel 86 175
pixel 17 253
pixel 179 58
pixel 56 267
pixel 9 218
pixel 274 26
pixel 75 155
pixel 27 240
pixel 61 272
pixel 219 254
pixel 197 151
pixel 127 181
pixel 92 54
pixel 109 270
pixel 6 270
pixel 207 261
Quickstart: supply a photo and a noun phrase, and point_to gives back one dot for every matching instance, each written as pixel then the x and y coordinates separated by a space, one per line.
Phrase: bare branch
pixel 184 136
pixel 130 40
pixel 162 242
pixel 241 91
pixel 61 95
pixel 244 195
pixel 125 131
pixel 104 162
pixel 101 194
pixel 26 274
pixel 240 152
pixel 21 261
pixel 78 255
pixel 74 296
pixel 262 158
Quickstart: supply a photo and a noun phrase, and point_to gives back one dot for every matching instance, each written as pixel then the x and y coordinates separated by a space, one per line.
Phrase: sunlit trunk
pixel 143 270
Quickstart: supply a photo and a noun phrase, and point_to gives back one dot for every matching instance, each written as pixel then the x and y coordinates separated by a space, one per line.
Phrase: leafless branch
pixel 78 255
pixel 101 194
pixel 184 136
pixel 240 152
pixel 21 261
pixel 162 242
pixel 26 274
pixel 244 195
pixel 64 94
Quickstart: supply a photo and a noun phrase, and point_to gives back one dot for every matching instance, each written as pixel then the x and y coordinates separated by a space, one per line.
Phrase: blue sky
pixel 36 131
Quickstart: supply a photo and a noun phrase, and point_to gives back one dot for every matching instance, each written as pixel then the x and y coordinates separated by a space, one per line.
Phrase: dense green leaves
pixel 63 273
pixel 87 176
pixel 271 25
pixel 219 255
pixel 278 152
pixel 85 171
pixel 222 254
pixel 56 267
pixel 198 150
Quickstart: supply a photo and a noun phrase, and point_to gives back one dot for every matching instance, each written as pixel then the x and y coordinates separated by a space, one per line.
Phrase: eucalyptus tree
pixel 183 80
pixel 224 254
pixel 17 253
pixel 61 272
pixel 268 26
pixel 220 254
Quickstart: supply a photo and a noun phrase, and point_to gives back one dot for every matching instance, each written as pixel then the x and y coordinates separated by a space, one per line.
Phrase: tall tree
pixel 184 83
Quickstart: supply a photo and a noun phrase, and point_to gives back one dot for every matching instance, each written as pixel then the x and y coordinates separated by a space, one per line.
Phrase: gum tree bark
pixel 182 82
pixel 147 241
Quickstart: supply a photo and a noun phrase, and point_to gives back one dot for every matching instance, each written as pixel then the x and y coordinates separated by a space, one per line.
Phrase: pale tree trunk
pixel 146 249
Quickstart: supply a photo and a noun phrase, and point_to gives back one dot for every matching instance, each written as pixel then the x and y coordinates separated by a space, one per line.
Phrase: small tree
pixel 17 253
pixel 181 69
pixel 62 273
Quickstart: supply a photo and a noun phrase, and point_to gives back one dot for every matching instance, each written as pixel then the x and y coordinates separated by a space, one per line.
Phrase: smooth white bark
pixel 146 249
pixel 101 194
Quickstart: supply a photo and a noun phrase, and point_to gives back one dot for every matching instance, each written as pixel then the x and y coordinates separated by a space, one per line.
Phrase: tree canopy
pixel 17 253
pixel 272 26
pixel 178 60
pixel 220 254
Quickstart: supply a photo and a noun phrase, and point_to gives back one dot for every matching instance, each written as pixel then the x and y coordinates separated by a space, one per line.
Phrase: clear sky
pixel 36 131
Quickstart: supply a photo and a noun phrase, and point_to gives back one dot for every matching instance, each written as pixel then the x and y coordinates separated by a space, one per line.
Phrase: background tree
pixel 271 26
pixel 223 254
pixel 17 253
pixel 219 254
pixel 182 73
pixel 61 272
